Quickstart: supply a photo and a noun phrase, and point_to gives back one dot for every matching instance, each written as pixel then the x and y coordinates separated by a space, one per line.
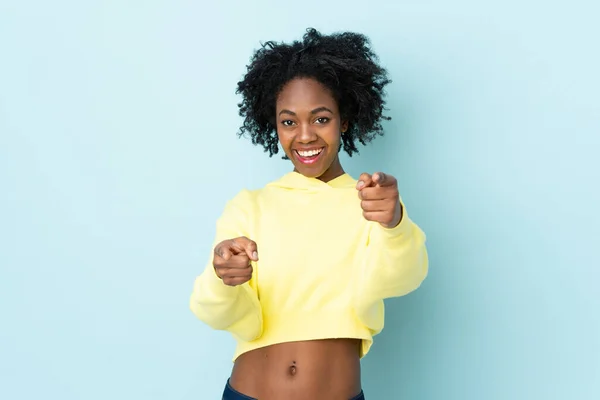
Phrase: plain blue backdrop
pixel 118 150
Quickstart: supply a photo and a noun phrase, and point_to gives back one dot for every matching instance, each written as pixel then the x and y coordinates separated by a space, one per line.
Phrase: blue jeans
pixel 231 394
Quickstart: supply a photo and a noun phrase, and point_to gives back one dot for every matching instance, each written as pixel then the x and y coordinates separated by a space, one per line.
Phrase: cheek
pixel 332 136
pixel 284 140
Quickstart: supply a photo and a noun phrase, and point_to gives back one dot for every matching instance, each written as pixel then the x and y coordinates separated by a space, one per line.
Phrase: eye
pixel 287 122
pixel 322 120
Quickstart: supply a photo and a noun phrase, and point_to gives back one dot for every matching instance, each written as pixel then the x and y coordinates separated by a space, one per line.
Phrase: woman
pixel 301 266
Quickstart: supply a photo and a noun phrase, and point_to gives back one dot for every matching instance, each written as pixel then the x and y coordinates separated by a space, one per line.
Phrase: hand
pixel 380 199
pixel 232 260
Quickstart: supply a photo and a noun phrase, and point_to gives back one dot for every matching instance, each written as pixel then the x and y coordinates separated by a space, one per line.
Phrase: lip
pixel 308 161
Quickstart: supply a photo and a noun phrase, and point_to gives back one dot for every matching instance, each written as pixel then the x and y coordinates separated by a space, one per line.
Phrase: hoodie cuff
pixel 215 285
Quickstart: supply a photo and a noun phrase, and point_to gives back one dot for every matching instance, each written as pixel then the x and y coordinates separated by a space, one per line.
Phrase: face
pixel 309 128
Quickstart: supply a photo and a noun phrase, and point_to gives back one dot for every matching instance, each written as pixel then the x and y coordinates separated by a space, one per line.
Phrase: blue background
pixel 118 149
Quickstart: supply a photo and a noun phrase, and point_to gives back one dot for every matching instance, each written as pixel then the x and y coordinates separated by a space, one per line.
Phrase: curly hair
pixel 342 62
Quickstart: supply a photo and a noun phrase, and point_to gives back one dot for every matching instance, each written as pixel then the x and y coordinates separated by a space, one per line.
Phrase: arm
pixel 395 263
pixel 394 256
pixel 235 309
pixel 396 259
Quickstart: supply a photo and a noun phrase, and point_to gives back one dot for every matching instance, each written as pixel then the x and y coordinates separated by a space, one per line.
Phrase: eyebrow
pixel 315 111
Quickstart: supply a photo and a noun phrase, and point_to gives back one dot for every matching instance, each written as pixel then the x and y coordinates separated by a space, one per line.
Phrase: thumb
pixel 365 180
pixel 251 250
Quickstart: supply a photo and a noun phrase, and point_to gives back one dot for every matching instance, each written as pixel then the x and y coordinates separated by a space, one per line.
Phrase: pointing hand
pixel 380 199
pixel 232 260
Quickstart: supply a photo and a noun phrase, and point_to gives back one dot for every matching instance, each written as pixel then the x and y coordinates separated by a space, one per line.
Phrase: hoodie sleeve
pixel 235 309
pixel 395 263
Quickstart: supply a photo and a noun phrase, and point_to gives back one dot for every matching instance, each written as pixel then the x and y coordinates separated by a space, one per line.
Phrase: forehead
pixel 305 93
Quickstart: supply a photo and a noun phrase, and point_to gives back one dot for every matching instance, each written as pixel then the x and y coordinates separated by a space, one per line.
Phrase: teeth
pixel 309 153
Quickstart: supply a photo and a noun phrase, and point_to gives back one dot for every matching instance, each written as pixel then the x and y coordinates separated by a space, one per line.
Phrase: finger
pixel 376 216
pixel 248 246
pixel 375 205
pixel 371 193
pixel 378 193
pixel 379 178
pixel 236 281
pixel 364 180
pixel 382 179
pixel 225 272
pixel 236 261
pixel 224 251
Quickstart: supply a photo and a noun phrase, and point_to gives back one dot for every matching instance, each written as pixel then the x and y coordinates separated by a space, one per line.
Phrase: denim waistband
pixel 231 394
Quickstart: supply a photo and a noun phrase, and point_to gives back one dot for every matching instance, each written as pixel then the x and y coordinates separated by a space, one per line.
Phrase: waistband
pixel 231 394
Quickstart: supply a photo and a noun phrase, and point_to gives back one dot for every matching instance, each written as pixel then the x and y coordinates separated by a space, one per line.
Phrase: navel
pixel 292 369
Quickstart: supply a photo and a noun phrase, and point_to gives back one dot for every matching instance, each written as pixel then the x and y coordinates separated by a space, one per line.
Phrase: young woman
pixel 301 266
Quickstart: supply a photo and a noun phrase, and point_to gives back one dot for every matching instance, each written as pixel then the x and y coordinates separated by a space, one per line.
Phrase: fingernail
pixel 255 255
pixel 360 184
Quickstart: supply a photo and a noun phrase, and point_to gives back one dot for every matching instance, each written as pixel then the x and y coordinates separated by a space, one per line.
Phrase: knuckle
pixel 243 262
pixel 218 262
pixel 233 262
pixel 241 280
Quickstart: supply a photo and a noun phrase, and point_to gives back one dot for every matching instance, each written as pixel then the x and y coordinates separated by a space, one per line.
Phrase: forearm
pixel 396 261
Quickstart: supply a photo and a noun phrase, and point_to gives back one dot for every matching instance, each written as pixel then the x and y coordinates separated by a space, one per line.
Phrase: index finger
pixel 224 250
pixel 248 246
pixel 228 248
pixel 382 179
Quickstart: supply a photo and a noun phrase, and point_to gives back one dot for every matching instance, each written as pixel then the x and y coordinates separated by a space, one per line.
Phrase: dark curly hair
pixel 342 62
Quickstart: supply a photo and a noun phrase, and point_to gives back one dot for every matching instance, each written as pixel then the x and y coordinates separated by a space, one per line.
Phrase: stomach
pixel 317 369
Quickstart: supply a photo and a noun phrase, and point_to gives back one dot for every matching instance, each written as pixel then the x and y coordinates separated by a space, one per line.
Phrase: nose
pixel 307 134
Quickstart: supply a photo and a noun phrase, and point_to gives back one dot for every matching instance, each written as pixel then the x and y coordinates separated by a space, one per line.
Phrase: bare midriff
pixel 318 369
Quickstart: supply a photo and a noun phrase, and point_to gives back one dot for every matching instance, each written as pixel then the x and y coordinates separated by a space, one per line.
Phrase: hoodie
pixel 323 270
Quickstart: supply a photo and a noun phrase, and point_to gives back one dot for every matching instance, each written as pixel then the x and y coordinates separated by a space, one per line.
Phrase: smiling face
pixel 309 128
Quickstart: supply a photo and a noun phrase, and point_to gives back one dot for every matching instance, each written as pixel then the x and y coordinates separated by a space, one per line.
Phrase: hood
pixel 297 181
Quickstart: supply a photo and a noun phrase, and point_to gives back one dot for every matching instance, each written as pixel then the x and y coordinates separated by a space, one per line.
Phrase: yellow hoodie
pixel 323 270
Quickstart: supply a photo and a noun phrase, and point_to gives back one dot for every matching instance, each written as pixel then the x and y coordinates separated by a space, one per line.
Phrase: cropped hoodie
pixel 323 270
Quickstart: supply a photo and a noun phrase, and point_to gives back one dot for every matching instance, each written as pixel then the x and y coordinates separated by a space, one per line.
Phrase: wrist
pixel 398 216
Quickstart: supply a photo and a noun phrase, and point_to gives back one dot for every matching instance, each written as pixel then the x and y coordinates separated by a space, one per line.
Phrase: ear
pixel 344 126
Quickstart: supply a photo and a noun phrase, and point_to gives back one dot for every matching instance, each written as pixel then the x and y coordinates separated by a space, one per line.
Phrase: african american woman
pixel 301 267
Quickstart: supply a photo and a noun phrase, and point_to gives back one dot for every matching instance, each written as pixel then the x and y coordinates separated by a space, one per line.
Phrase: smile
pixel 308 156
